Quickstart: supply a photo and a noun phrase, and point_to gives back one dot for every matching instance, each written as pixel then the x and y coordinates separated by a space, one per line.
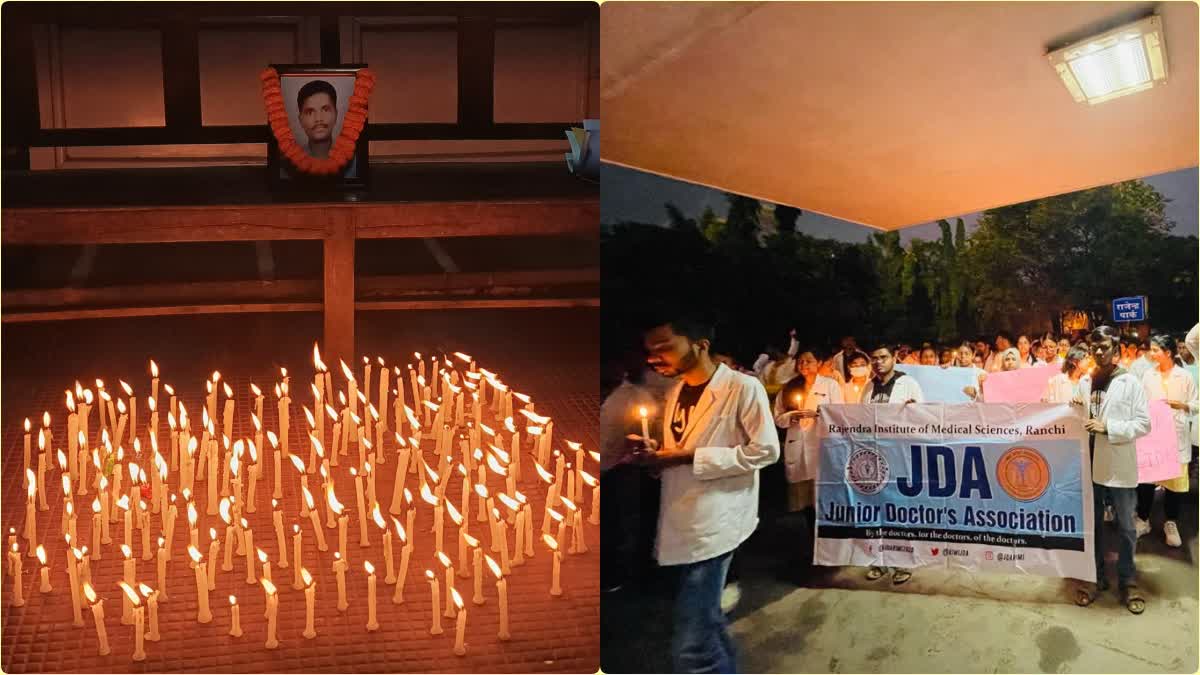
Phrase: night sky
pixel 629 195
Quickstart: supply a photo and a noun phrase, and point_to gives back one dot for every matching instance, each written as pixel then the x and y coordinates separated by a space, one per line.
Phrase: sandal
pixel 901 576
pixel 1086 594
pixel 875 573
pixel 1133 600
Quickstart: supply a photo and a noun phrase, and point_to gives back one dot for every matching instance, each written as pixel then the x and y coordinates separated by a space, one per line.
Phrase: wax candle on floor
pixel 203 614
pixel 372 621
pixel 339 568
pixel 97 606
pixel 449 574
pixel 45 571
pixel 461 625
pixel 476 565
pixel 162 569
pixel 434 590
pixel 272 613
pixel 310 588
pixel 405 554
pixel 151 596
pixel 316 523
pixel 139 621
pixel 235 619
pixel 556 555
pixel 130 571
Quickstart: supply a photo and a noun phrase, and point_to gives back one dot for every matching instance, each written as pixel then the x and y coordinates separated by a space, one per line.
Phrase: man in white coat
pixel 717 434
pixel 1118 415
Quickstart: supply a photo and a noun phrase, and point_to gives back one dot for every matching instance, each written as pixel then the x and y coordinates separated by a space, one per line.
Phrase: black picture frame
pixel 283 177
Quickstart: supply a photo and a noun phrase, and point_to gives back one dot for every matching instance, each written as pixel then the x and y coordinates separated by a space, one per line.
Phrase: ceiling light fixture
pixel 1115 63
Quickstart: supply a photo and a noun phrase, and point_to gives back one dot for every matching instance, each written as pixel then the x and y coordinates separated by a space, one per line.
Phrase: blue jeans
pixel 1124 503
pixel 701 643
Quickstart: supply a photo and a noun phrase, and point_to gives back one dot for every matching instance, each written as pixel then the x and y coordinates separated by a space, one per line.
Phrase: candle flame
pixel 535 418
pixel 329 410
pixel 232 600
pixel 89 592
pixel 550 542
pixel 306 576
pixel 458 601
pixel 193 445
pixel 408 498
pixel 253 451
pixel 346 371
pixel 317 362
pixel 508 501
pixel 216 376
pixel 169 389
pixel 133 596
pixel 297 462
pixel 368 567
pixel 471 541
pixel 399 530
pixel 125 386
pixel 224 509
pixel 429 575
pixel 334 504
pixel 296 526
pixel 274 440
pixel 262 555
pixel 245 524
pixel 481 491
pixel 194 553
pixel 126 551
pixel 427 495
pixel 555 515
pixel 146 590
pixel 212 533
pixel 87 396
pixel 70 401
pixel 32 480
pixel 453 513
pixel 588 479
pixel 521 397
pixel 493 566
pixel 543 474
pixel 256 422
pixel 41 554
pixel 377 516
pixel 568 503
pixel 278 392
pixel 495 466
pixel 444 559
pixel 153 369
pixel 96 505
pixel 267 586
pixel 191 509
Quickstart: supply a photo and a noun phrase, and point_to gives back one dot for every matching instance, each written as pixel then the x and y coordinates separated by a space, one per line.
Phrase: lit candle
pixel 73 581
pixel 594 514
pixel 251 507
pixel 502 592
pixel 277 521
pixel 235 618
pixel 461 626
pixel 154 380
pixel 272 613
pixel 405 553
pixel 30 509
pixel 203 615
pixel 337 508
pixel 401 473
pixel 362 511
pixel 372 622
pixel 449 571
pixel 248 537
pixel 97 606
pixel 27 473
pixel 278 493
pixel 130 569
pixel 555 589
pixel 97 526
pixel 265 563
pixel 297 540
pixel 151 596
pixel 434 590
pixel 310 588
pixel 147 553
pixel 316 523
pixel 476 563
pixel 14 559
pixel 162 571
pixel 389 565
pixel 339 568
pixel 45 571
pixel 139 622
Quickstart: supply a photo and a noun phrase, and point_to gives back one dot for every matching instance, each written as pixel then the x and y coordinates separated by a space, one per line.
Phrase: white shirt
pixel 1176 385
pixel 905 389
pixel 1126 417
pixel 1193 341
pixel 1060 389
pixel 773 374
pixel 801 446
pixel 711 505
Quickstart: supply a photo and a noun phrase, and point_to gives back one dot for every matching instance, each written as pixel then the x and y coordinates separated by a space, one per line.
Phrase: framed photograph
pixel 316 99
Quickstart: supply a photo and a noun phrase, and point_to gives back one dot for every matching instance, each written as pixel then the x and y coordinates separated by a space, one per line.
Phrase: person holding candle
pixel 718 433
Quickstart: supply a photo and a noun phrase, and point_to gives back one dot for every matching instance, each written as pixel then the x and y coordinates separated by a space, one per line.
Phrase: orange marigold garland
pixel 343 147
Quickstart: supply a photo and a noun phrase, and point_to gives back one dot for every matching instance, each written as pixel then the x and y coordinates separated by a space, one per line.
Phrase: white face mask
pixel 860 371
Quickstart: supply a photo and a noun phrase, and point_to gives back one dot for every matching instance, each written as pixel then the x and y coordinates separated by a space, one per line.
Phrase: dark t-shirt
pixel 882 393
pixel 685 405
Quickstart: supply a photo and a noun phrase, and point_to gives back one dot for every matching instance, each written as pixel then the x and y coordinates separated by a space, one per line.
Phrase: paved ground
pixel 940 622
pixel 550 355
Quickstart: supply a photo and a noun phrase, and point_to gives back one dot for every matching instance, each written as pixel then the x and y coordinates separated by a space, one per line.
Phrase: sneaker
pixel 1109 514
pixel 1171 530
pixel 730 597
pixel 1141 526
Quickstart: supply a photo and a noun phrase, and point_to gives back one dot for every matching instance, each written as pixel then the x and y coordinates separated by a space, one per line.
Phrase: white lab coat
pixel 1126 417
pixel 1177 386
pixel 1060 389
pixel 905 389
pixel 801 447
pixel 774 375
pixel 711 505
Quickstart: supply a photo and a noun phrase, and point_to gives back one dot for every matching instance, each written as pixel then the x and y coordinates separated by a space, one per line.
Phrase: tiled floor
pixel 550 355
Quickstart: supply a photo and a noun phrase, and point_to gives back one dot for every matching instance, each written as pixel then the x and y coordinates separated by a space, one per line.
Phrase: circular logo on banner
pixel 867 471
pixel 1023 473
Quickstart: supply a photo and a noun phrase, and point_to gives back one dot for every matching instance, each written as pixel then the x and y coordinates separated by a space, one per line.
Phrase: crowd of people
pixel 718 424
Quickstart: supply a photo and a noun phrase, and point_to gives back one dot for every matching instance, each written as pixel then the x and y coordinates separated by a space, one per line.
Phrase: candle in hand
pixel 97 606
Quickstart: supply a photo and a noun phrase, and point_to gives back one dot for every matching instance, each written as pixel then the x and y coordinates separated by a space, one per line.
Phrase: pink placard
pixel 1025 385
pixel 1158 451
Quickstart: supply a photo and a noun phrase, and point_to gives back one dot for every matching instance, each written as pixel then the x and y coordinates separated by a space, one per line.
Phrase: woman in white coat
pixel 1073 385
pixel 796 410
pixel 1169 382
pixel 858 364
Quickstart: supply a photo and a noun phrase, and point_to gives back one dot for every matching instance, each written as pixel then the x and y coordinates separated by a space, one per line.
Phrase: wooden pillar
pixel 339 290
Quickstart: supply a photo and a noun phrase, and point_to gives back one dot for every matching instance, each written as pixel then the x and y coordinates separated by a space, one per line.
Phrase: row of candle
pixel 340 561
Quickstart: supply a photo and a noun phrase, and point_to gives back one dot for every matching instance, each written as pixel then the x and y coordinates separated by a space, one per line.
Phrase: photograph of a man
pixel 317 105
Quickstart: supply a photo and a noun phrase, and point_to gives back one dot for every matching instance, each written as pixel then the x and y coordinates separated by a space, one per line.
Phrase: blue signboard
pixel 1130 309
